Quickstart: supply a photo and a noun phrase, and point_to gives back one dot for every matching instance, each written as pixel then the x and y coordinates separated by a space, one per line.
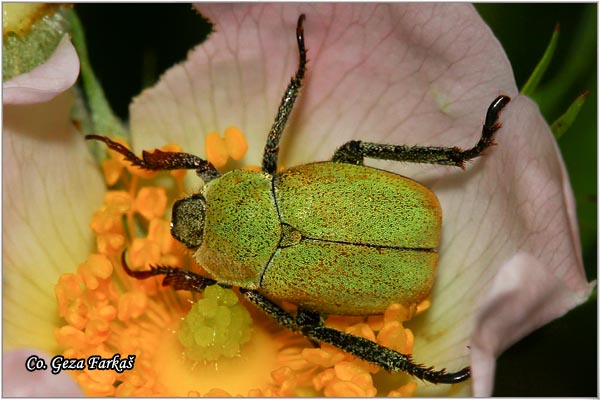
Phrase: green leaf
pixel 564 122
pixel 539 71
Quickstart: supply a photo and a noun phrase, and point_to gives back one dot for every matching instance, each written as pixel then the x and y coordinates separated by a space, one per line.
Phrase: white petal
pixel 19 382
pixel 50 188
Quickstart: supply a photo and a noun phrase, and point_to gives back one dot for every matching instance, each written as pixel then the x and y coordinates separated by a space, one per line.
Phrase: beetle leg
pixel 354 151
pixel 269 163
pixel 284 318
pixel 162 160
pixel 177 278
pixel 374 353
pixel 310 324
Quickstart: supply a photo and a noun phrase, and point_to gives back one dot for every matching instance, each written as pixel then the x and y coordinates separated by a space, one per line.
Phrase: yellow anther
pixel 219 149
pixel 159 231
pixel 76 314
pixel 151 202
pixel 355 372
pixel 97 331
pixel 407 390
pixel 293 358
pixel 216 149
pixel 394 336
pixel 110 243
pixel 67 289
pixel 143 252
pixel 70 337
pixel 398 312
pixel 322 358
pixel 112 169
pixel 132 305
pixel 105 221
pixel 362 330
pixel 236 143
pixel 280 375
pixel 324 378
pixel 96 266
pixel 347 370
pixel 118 201
pixel 107 312
pixel 424 305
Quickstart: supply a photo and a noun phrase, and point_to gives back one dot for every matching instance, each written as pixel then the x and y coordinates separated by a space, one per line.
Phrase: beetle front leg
pixel 271 152
pixel 177 278
pixel 355 151
pixel 160 160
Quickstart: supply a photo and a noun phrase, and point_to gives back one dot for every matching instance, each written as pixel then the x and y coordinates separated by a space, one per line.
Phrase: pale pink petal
pixel 524 295
pixel 407 71
pixel 406 74
pixel 46 81
pixel 20 382
pixel 50 188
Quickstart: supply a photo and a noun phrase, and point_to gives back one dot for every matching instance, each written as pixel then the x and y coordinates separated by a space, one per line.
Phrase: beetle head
pixel 187 222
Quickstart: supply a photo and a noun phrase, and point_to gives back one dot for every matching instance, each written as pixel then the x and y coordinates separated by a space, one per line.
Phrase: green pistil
pixel 216 326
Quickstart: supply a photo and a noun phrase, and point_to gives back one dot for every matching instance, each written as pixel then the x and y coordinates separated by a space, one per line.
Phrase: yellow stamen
pixel 236 143
pixel 216 150
pixel 112 170
pixel 151 202
pixel 423 306
pixel 96 267
pixel 219 149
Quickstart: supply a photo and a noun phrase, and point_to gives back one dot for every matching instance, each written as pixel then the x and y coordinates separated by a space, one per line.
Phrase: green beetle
pixel 332 237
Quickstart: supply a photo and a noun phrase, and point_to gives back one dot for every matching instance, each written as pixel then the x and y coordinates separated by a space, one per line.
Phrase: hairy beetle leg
pixel 269 162
pixel 355 151
pixel 177 278
pixel 310 324
pixel 160 160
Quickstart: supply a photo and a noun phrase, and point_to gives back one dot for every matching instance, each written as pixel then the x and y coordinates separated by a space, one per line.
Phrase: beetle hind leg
pixel 355 151
pixel 310 324
pixel 374 353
